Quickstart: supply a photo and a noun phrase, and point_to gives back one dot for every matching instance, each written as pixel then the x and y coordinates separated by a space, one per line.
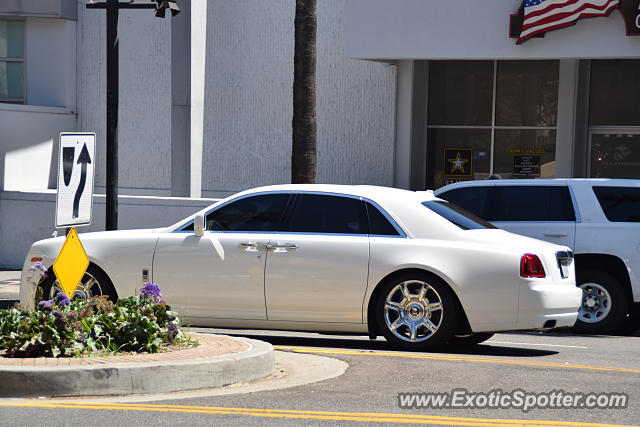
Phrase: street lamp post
pixel 112 7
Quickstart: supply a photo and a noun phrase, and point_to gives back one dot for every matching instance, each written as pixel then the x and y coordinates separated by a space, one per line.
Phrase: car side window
pixel 254 213
pixel 318 213
pixel 532 203
pixel 620 204
pixel 471 199
pixel 379 225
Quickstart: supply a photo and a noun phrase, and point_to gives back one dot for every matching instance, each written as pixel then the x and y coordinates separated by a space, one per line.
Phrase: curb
pixel 141 377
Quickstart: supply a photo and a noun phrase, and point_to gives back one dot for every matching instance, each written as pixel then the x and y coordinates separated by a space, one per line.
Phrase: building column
pixel 411 106
pixel 198 66
pixel 565 135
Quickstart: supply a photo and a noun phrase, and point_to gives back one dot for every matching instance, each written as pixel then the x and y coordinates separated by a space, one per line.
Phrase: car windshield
pixel 457 215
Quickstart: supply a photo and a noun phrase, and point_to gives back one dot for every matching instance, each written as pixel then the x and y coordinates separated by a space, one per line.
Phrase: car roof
pixel 617 182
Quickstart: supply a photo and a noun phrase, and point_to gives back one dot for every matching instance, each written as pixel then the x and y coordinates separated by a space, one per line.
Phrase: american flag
pixel 544 15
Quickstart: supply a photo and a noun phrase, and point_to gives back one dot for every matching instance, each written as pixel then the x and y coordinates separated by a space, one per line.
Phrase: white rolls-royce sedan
pixel 333 258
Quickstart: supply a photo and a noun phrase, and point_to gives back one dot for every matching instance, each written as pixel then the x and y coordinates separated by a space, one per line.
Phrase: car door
pixel 544 212
pixel 317 266
pixel 221 274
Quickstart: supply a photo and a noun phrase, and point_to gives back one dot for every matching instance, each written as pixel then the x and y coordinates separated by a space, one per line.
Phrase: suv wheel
pixel 604 303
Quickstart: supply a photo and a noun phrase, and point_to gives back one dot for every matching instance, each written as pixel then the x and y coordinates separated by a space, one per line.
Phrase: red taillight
pixel 530 266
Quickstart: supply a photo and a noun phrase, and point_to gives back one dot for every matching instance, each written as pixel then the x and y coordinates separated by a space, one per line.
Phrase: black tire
pixel 605 304
pixel 470 340
pixel 415 311
pixel 102 285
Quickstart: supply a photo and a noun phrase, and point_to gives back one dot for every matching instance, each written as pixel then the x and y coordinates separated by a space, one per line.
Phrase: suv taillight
pixel 530 266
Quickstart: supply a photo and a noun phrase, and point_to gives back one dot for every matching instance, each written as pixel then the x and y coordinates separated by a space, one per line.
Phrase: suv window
pixel 318 213
pixel 457 215
pixel 253 213
pixel 620 204
pixel 531 203
pixel 472 199
pixel 379 224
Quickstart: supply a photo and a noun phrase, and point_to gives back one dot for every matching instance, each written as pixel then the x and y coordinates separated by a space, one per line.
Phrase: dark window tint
pixel 531 203
pixel 472 199
pixel 379 224
pixel 620 204
pixel 254 213
pixel 457 215
pixel 316 213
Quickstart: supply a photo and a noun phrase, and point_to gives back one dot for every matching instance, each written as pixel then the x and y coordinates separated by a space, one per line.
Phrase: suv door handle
pixel 556 234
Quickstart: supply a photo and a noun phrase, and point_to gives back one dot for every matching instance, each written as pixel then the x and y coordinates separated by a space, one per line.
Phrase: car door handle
pixel 253 247
pixel 556 234
pixel 283 248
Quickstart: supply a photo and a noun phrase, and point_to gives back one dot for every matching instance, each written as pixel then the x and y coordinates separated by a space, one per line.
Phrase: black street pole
pixel 112 115
pixel 113 64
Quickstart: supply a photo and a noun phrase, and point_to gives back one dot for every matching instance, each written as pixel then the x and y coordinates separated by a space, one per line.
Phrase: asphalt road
pixel 367 393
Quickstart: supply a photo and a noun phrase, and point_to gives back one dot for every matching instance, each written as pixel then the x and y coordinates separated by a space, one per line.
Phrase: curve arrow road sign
pixel 74 202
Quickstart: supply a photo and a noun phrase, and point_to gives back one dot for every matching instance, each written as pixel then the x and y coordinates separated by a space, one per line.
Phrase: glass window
pixel 614 93
pixel 531 203
pixel 254 213
pixel 615 155
pixel 506 129
pixel 620 204
pixel 457 215
pixel 378 223
pixel 317 213
pixel 11 61
pixel 472 199
pixel 460 92
pixel 527 93
pixel 525 153
pixel 473 143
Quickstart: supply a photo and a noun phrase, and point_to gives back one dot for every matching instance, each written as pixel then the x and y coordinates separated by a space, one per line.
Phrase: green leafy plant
pixel 64 328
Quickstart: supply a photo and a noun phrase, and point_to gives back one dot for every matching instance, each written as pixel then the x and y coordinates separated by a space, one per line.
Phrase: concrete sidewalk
pixel 218 361
pixel 9 287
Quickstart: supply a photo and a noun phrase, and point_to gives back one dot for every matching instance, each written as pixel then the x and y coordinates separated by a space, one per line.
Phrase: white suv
pixel 598 218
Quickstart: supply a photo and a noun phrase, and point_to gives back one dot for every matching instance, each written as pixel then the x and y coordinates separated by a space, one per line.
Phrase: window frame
pixel 491 128
pixel 23 60
pixel 289 209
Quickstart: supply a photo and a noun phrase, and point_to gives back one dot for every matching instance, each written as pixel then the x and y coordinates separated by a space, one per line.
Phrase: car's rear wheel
pixel 604 303
pixel 94 283
pixel 416 311
pixel 471 339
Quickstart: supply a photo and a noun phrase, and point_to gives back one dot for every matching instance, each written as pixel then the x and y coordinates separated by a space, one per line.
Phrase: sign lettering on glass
pixel 458 162
pixel 526 166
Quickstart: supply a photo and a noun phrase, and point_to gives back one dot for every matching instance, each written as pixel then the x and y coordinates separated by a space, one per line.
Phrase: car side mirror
pixel 198 225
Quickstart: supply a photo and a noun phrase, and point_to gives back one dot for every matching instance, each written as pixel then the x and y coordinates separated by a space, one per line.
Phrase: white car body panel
pixel 327 281
pixel 591 233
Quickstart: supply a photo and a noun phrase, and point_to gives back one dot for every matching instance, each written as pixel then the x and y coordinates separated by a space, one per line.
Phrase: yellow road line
pixel 309 415
pixel 451 358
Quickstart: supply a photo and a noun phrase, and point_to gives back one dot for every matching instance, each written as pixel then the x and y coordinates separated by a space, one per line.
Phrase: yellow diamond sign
pixel 71 264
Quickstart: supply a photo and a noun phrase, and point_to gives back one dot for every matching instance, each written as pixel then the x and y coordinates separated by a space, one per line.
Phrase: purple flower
pixel 62 299
pixel 39 267
pixel 152 291
pixel 46 306
pixel 58 315
pixel 172 332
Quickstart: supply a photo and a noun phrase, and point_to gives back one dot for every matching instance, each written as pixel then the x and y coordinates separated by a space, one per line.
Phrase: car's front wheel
pixel 604 303
pixel 94 283
pixel 416 311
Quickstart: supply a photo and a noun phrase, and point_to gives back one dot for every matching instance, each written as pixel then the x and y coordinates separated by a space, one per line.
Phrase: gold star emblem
pixel 458 163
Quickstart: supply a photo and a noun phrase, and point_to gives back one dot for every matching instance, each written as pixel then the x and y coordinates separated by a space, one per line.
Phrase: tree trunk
pixel 303 150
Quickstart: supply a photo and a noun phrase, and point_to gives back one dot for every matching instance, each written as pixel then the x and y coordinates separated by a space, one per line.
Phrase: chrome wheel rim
pixel 596 303
pixel 87 288
pixel 413 311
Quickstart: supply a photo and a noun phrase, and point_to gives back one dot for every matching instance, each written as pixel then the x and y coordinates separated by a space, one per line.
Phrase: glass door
pixel 614 153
